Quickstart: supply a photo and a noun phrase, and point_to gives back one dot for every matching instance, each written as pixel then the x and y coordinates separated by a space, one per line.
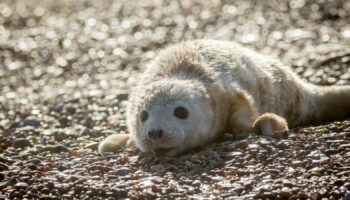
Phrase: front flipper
pixel 272 125
pixel 243 115
pixel 114 143
pixel 245 119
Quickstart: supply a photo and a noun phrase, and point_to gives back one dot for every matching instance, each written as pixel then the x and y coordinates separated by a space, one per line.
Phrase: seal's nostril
pixel 155 134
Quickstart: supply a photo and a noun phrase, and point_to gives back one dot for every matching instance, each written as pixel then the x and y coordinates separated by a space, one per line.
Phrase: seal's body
pixel 193 92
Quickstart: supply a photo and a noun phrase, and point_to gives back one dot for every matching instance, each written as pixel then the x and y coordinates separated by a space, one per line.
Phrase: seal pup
pixel 195 91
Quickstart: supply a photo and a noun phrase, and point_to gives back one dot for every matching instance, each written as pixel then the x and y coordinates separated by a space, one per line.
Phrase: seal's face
pixel 173 120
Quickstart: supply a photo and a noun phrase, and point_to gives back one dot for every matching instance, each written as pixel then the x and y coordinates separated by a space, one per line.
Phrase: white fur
pixel 225 87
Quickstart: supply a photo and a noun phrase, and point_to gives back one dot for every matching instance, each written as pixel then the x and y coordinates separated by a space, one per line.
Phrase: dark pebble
pixel 123 96
pixel 64 121
pixel 339 182
pixel 100 168
pixel 77 189
pixel 49 197
pixel 282 145
pixel 59 136
pixel 45 190
pixel 16 195
pixel 15 125
pixel 88 122
pixel 347 196
pixel 35 161
pixel 347 185
pixel 31 122
pixel 285 193
pixel 329 152
pixel 56 149
pixel 32 167
pixel 3 166
pixel 20 143
pixel 70 110
pixel 119 193
pixel 243 144
pixel 50 185
pixel 122 171
pixel 62 168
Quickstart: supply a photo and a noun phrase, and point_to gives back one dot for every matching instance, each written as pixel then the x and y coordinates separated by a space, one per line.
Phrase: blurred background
pixel 66 67
pixel 70 44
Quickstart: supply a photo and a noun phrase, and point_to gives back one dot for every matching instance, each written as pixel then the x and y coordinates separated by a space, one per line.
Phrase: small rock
pixel 88 122
pixel 122 171
pixel 282 145
pixel 20 143
pixel 49 197
pixel 119 193
pixel 234 154
pixel 287 183
pixel 3 166
pixel 122 96
pixel 265 142
pixel 157 168
pixel 253 146
pixel 31 122
pixel 50 185
pixel 59 136
pixel 347 196
pixel 35 161
pixel 233 145
pixel 243 144
pixel 64 121
pixel 268 195
pixel 32 167
pixel 285 193
pixel 21 185
pixel 338 182
pixel 56 149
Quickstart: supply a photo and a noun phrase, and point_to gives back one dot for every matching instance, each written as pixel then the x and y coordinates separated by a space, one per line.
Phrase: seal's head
pixel 170 116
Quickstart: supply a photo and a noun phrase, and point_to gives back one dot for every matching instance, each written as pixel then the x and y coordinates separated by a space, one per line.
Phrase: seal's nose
pixel 155 134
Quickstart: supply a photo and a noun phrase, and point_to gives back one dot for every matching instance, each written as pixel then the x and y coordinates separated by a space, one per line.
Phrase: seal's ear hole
pixel 181 112
pixel 143 115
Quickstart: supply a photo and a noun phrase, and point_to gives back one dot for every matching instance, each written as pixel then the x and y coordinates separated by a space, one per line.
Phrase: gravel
pixel 67 68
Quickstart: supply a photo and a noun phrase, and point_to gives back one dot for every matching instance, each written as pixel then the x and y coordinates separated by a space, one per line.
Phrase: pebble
pixel 347 196
pixel 21 143
pixel 31 122
pixel 21 185
pixel 243 144
pixel 285 193
pixel 157 169
pixel 3 166
pixel 123 171
pixel 234 154
pixel 56 149
pixel 35 161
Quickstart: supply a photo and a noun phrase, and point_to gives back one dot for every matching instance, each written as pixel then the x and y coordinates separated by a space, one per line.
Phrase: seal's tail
pixel 331 102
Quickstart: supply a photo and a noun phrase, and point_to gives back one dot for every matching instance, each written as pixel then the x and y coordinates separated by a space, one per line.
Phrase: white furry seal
pixel 193 92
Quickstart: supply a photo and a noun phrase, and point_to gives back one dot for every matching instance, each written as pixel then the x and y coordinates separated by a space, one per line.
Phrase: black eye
pixel 181 112
pixel 143 115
